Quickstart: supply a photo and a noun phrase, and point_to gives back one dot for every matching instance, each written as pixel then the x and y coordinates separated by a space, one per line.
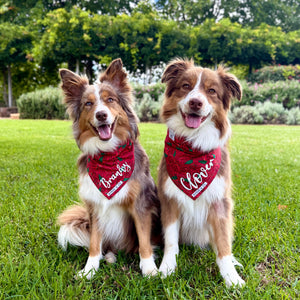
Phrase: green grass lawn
pixel 38 179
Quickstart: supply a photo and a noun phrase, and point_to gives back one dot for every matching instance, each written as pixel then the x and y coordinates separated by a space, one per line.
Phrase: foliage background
pixel 38 37
pixel 270 102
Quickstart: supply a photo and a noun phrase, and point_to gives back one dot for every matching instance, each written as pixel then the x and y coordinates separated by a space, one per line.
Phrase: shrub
pixel 293 117
pixel 240 71
pixel 148 101
pixel 275 73
pixel 42 104
pixel 147 109
pixel 285 92
pixel 154 90
pixel 265 113
pixel 272 113
pixel 245 115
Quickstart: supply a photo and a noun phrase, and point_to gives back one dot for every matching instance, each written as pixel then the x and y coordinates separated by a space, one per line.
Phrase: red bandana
pixel 191 170
pixel 111 170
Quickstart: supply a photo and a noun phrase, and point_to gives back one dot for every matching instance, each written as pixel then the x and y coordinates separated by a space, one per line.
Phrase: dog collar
pixel 191 170
pixel 110 171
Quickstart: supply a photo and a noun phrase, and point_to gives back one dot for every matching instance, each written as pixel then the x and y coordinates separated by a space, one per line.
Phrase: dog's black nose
pixel 101 116
pixel 195 104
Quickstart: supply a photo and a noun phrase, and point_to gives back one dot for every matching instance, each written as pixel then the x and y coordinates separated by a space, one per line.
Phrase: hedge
pixel 47 103
pixel 265 113
pixel 154 90
pixel 147 109
pixel 275 73
pixel 285 92
pixel 42 104
pixel 262 103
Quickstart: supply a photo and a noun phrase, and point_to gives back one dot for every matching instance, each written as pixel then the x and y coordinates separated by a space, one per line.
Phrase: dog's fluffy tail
pixel 74 227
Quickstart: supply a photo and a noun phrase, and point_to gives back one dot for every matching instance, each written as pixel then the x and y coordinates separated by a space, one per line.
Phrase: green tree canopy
pixel 283 13
pixel 67 37
pixel 227 42
pixel 25 12
pixel 38 36
pixel 15 42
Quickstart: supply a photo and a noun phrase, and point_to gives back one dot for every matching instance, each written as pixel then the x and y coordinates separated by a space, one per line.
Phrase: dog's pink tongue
pixel 192 121
pixel 104 132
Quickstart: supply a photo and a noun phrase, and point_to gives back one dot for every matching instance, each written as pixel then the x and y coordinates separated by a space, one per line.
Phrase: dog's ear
pixel 116 75
pixel 175 67
pixel 231 85
pixel 73 86
pixel 173 71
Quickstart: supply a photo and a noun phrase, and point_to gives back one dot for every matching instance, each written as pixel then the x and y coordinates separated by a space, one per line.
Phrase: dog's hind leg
pixel 74 227
pixel 110 257
pixel 220 220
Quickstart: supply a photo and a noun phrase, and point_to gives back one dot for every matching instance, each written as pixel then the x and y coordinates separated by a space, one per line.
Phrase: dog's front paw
pixel 234 280
pixel 148 266
pixel 85 273
pixel 91 267
pixel 168 265
pixel 228 271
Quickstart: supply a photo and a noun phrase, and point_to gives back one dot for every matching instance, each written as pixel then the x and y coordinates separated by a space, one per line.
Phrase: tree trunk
pixel 216 65
pixel 77 66
pixel 250 69
pixel 72 64
pixel 5 98
pixel 149 72
pixel 89 69
pixel 9 84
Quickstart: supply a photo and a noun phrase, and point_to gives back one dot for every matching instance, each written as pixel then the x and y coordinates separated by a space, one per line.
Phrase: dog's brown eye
pixel 186 86
pixel 88 103
pixel 211 91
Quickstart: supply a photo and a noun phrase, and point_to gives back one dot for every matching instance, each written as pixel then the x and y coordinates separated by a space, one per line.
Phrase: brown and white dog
pixel 121 208
pixel 194 183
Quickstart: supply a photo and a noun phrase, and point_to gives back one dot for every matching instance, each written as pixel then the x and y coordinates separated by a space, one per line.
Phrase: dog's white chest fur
pixel 89 192
pixel 193 214
pixel 111 215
